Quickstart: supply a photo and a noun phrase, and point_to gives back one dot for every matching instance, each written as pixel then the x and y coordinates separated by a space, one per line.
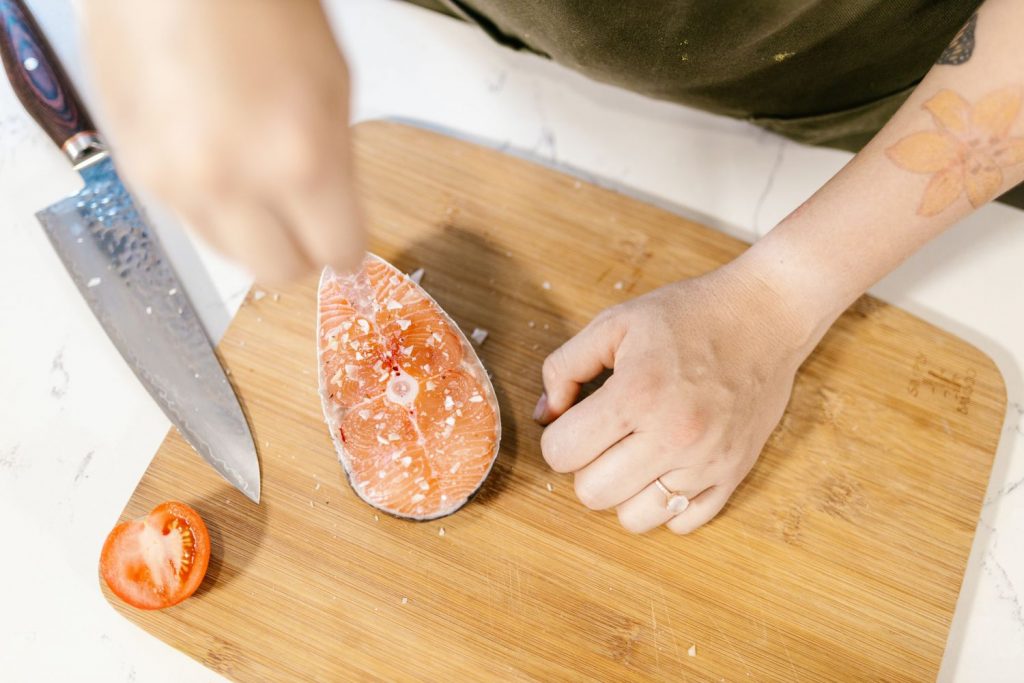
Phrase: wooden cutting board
pixel 840 557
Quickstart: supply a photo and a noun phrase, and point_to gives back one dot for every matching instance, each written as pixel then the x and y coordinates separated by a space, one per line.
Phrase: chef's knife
pixel 118 265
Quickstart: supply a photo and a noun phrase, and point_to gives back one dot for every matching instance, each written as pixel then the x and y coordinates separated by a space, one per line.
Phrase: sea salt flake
pixel 479 335
pixel 403 325
pixel 406 350
pixel 436 337
pixel 440 532
pixel 550 487
pixel 258 294
pixel 692 651
pixel 406 461
pixel 618 285
pixel 393 437
pixel 364 414
pixel 455 467
pixel 424 486
pixel 418 497
pixel 430 385
pixel 394 305
pixel 546 285
pixel 336 379
pixel 93 282
pixel 417 275
pixel 476 398
pixel 381 440
pixel 363 325
pixel 149 310
pixel 172 291
pixel 448 403
pixel 405 601
pixel 450 421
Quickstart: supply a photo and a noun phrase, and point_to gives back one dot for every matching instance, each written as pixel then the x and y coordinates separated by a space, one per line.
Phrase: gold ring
pixel 675 502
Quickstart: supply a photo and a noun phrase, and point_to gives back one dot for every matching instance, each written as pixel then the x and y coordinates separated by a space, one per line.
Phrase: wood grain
pixel 840 557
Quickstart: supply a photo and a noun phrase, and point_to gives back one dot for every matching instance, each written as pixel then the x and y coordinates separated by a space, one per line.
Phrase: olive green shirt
pixel 824 72
pixel 821 72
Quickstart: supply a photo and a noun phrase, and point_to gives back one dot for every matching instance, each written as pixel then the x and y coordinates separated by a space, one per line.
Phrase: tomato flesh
pixel 158 560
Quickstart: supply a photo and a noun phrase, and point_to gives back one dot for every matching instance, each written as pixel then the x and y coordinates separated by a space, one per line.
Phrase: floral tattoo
pixel 966 152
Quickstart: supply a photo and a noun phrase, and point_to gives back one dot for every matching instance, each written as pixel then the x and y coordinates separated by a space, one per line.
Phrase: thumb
pixel 576 362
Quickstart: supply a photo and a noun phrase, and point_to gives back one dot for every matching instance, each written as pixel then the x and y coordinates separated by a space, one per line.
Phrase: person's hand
pixel 234 113
pixel 703 370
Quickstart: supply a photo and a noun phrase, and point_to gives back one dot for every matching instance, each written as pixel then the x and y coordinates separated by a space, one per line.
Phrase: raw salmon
pixel 410 408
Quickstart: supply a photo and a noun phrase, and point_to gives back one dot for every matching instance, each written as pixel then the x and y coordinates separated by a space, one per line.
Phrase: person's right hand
pixel 234 113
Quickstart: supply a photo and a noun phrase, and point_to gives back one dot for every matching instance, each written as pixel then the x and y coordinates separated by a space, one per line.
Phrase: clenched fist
pixel 234 113
pixel 702 371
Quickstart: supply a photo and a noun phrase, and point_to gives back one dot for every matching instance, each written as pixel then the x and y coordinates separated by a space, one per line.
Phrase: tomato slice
pixel 158 560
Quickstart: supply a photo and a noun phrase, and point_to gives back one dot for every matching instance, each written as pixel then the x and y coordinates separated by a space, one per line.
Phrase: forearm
pixel 956 143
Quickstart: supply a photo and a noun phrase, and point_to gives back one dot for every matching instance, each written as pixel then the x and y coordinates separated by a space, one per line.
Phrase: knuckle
pixel 553 449
pixel 682 529
pixel 553 365
pixel 587 493
pixel 631 522
pixel 646 385
pixel 690 427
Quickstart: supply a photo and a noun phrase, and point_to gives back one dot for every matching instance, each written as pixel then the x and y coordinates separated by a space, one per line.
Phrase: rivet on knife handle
pixel 42 85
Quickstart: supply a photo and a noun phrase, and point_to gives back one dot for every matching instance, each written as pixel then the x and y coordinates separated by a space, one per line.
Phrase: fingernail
pixel 542 408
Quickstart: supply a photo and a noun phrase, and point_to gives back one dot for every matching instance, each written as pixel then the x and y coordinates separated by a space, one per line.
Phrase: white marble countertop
pixel 77 431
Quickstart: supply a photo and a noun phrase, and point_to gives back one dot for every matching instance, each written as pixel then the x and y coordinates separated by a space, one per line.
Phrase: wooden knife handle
pixel 42 85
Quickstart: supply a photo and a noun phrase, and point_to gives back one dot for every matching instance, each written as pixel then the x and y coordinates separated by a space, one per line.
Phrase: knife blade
pixel 115 259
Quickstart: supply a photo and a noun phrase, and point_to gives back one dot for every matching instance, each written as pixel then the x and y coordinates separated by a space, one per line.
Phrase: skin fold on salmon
pixel 410 408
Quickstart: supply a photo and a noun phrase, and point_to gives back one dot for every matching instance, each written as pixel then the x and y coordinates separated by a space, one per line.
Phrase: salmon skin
pixel 410 408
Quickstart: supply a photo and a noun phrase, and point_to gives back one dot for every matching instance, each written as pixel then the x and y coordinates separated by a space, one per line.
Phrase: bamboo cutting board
pixel 840 557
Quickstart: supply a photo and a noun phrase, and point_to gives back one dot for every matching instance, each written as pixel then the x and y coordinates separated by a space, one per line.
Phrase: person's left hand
pixel 703 370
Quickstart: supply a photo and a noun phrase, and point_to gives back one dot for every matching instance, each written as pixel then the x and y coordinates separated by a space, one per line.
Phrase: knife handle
pixel 41 84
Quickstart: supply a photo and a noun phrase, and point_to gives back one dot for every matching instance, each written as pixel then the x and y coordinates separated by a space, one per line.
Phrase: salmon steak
pixel 410 408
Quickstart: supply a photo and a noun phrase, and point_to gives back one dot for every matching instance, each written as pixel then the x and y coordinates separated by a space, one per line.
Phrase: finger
pixel 648 509
pixel 254 236
pixel 328 224
pixel 198 221
pixel 700 511
pixel 587 429
pixel 621 472
pixel 578 360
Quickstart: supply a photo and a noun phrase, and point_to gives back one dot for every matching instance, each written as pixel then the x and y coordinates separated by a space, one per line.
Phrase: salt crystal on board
pixel 479 335
pixel 417 275
pixel 258 294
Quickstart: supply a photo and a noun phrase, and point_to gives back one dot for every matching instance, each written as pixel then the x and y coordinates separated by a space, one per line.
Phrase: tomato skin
pixel 159 560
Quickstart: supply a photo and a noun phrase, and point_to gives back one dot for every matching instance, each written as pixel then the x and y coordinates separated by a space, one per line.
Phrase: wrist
pixel 797 286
